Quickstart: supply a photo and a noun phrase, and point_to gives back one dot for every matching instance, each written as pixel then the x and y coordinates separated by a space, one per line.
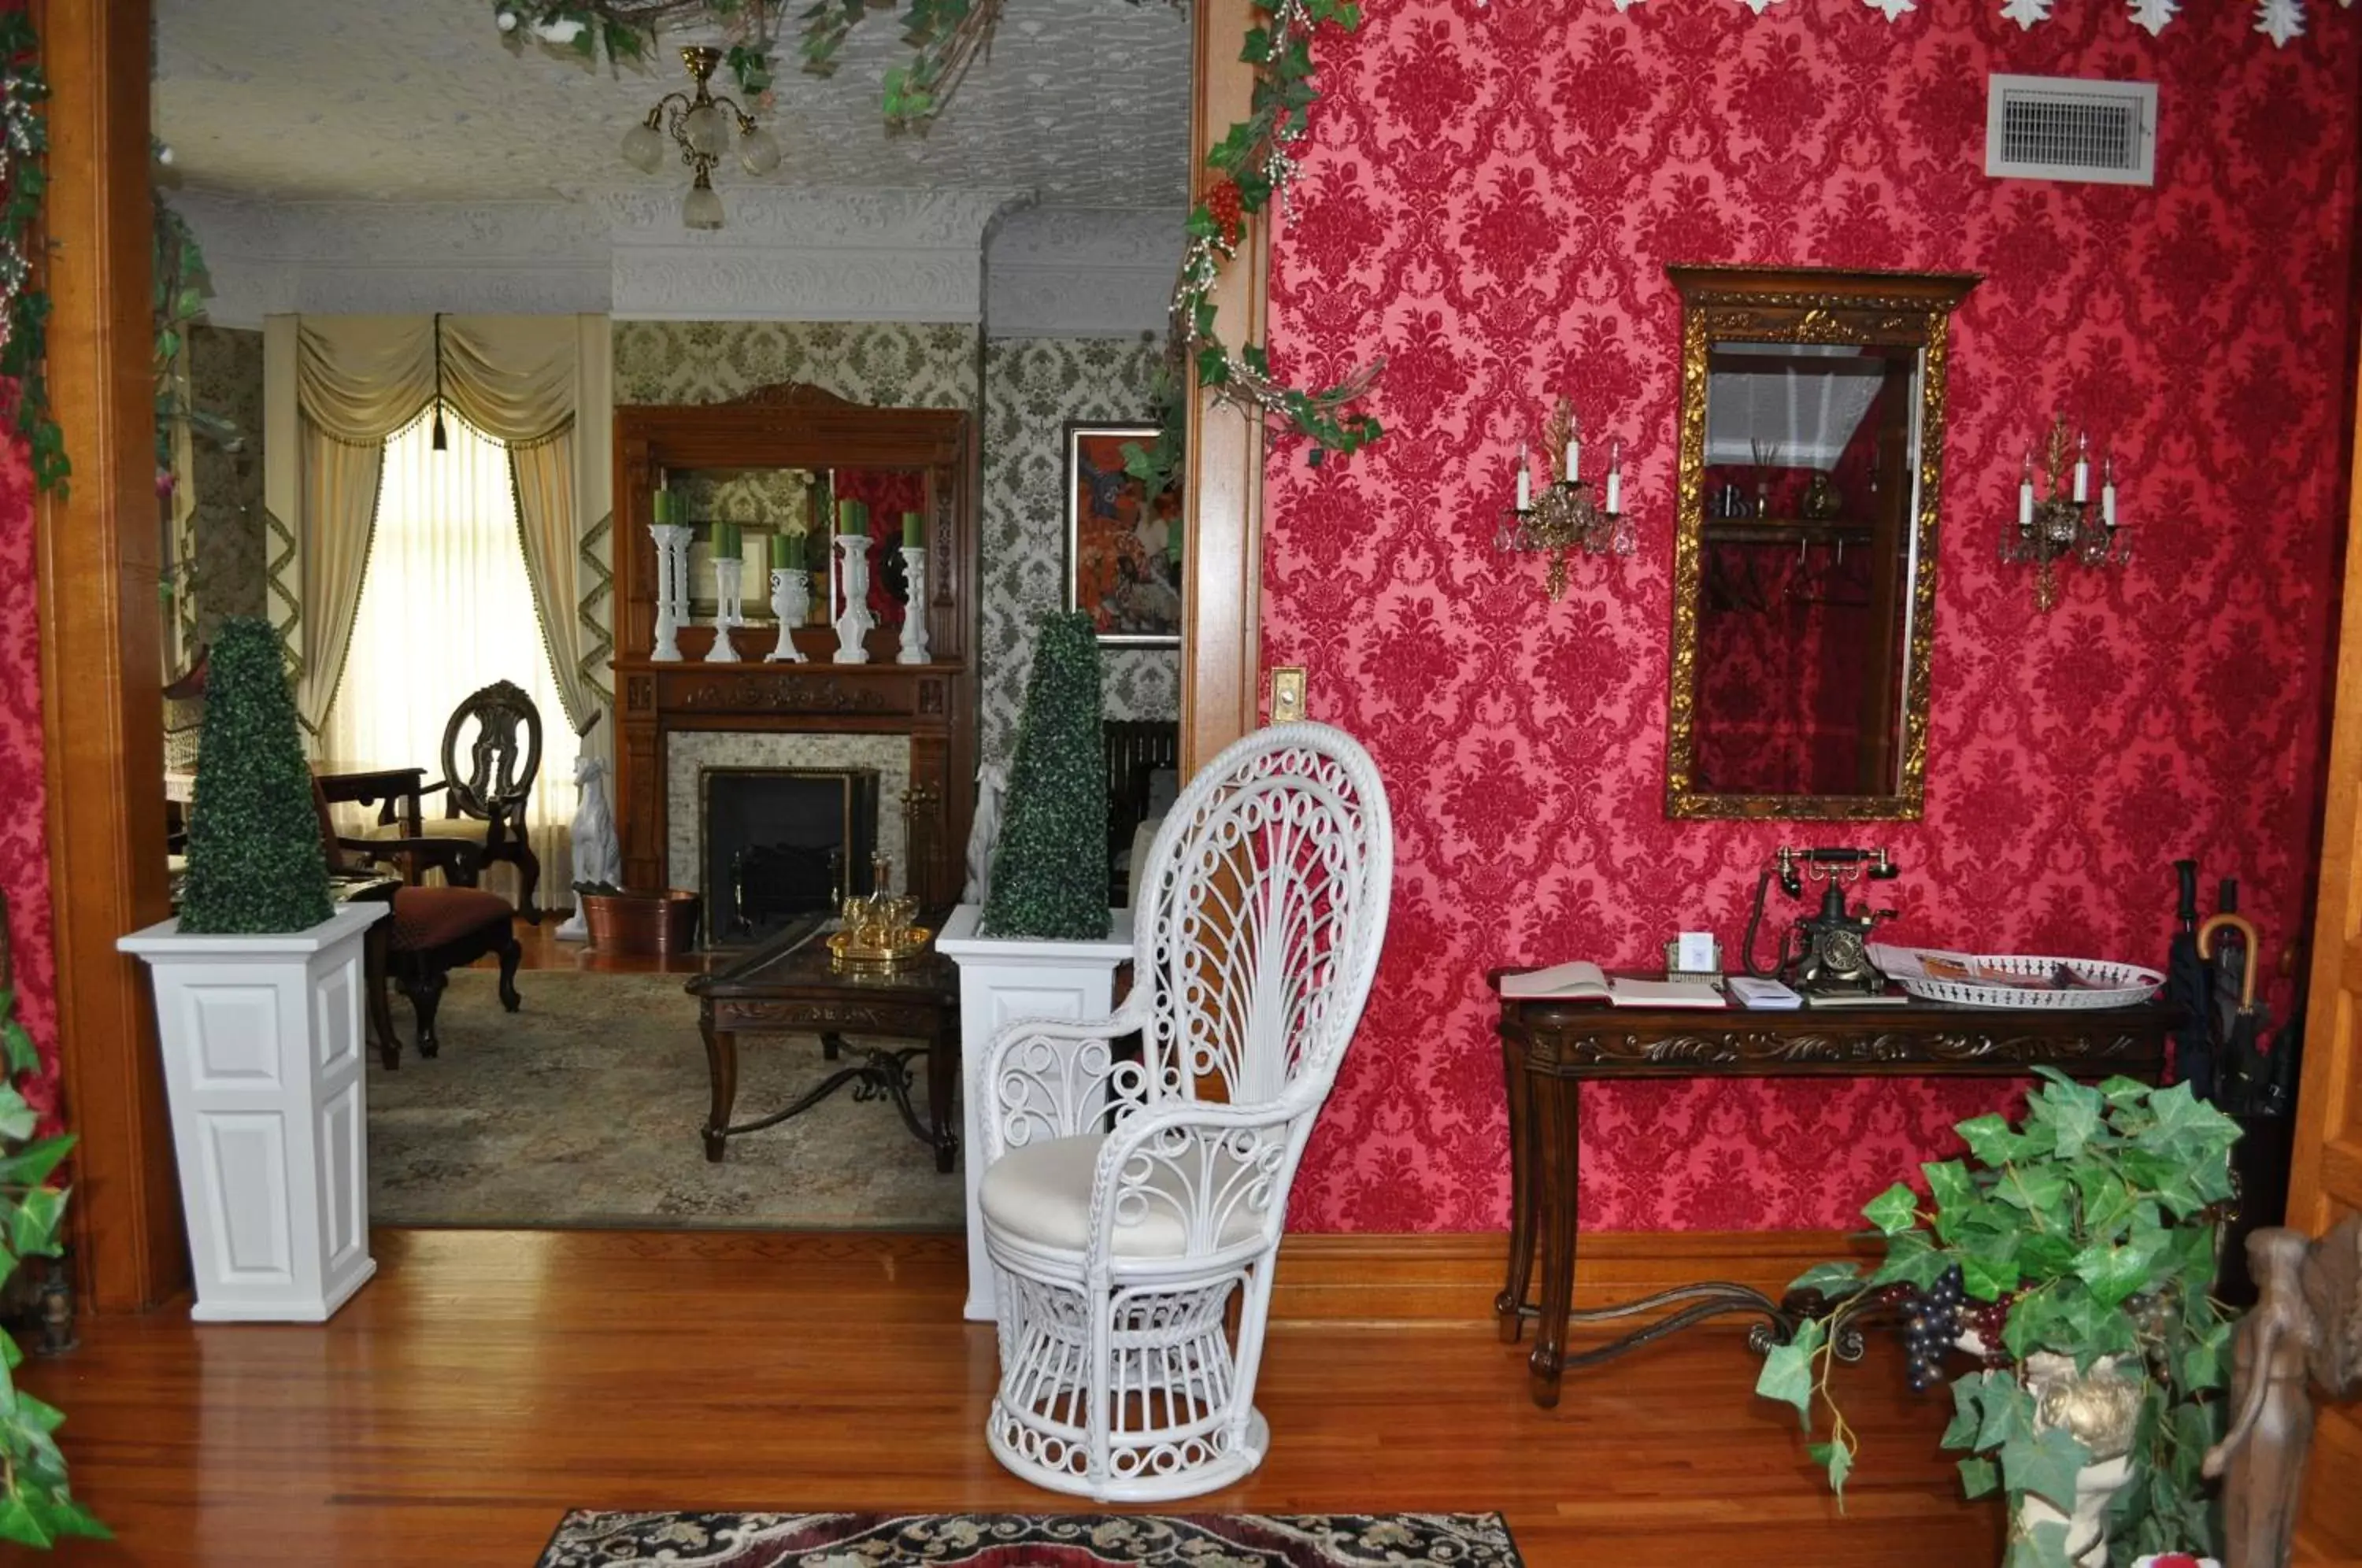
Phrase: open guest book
pixel 1589 982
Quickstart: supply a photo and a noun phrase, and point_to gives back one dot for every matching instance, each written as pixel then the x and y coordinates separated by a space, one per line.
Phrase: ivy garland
pixel 1253 164
pixel 25 309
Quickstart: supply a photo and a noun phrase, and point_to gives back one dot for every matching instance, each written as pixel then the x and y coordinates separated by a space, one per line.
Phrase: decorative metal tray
pixel 849 955
pixel 2017 980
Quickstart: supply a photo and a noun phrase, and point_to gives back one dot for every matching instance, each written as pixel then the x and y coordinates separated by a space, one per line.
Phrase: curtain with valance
pixel 539 384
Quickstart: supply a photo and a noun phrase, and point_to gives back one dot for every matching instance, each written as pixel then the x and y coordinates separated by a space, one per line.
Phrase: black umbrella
pixel 2242 1075
pixel 2188 984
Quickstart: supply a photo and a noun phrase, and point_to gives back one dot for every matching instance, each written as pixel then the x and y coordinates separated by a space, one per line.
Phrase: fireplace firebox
pixel 776 843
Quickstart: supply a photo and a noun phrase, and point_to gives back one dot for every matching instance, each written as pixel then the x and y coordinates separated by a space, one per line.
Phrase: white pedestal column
pixel 672 587
pixel 1007 977
pixel 853 625
pixel 729 609
pixel 263 1070
pixel 914 613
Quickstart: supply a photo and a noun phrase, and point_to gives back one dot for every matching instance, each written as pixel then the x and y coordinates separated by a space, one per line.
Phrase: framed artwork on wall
pixel 1123 551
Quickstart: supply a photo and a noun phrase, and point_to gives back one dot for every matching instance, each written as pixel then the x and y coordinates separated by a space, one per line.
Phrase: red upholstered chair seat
pixel 430 917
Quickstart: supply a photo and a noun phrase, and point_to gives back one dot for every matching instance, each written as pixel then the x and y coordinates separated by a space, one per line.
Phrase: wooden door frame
pixel 1222 477
pixel 102 621
pixel 99 552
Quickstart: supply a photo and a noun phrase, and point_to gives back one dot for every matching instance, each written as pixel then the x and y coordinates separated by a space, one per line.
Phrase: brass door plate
pixel 1286 693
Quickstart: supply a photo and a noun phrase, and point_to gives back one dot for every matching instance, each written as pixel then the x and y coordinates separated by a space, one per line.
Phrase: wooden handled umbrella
pixel 2242 1072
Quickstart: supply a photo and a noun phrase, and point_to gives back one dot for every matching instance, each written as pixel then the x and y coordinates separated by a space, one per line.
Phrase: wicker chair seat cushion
pixel 1041 1193
pixel 430 917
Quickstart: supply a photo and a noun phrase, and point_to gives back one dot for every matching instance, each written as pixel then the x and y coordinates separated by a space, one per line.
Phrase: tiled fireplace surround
pixel 688 752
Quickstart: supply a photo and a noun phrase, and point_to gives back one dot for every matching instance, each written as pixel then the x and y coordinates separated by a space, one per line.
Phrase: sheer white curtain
pixel 446 608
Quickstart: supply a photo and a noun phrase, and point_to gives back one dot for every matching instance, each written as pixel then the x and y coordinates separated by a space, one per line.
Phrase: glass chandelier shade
pixel 644 146
pixel 702 209
pixel 758 150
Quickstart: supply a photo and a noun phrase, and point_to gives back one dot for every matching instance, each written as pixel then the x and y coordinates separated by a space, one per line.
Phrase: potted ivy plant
pixel 259 992
pixel 2065 1267
pixel 1043 942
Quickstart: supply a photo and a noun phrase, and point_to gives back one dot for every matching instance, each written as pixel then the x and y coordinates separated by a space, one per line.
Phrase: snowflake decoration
pixel 2279 19
pixel 2152 15
pixel 2025 12
pixel 1890 9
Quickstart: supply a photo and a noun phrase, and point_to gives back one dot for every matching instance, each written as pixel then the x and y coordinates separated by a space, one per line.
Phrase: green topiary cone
pixel 256 862
pixel 1050 869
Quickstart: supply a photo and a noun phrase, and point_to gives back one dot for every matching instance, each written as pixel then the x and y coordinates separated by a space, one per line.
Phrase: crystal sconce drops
pixel 2062 525
pixel 1570 514
pixel 700 125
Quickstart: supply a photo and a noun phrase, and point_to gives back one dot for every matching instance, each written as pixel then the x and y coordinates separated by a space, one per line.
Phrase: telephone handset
pixel 1827 951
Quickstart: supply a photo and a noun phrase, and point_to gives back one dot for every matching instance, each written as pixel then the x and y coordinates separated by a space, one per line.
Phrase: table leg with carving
pixel 1558 1106
pixel 943 1084
pixel 722 1066
pixel 1509 1307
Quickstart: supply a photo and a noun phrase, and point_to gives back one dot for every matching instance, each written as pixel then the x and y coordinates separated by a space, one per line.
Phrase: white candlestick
pixel 2082 470
pixel 2026 493
pixel 914 609
pixel 727 570
pixel 1573 459
pixel 1615 477
pixel 672 577
pixel 854 625
pixel 2108 492
pixel 1524 482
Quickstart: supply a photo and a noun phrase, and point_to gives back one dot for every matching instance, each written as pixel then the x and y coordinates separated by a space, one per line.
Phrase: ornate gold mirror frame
pixel 1753 304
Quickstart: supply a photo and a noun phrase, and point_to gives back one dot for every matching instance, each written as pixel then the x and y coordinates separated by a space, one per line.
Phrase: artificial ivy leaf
pixel 1979 1476
pixel 2034 1320
pixel 2042 1546
pixel 1989 1139
pixel 2120 1091
pixel 17 1523
pixel 2039 1189
pixel 1839 1461
pixel 2008 1413
pixel 2201 1359
pixel 1894 1211
pixel 33 1228
pixel 17 1121
pixel 11 1355
pixel 2046 1464
pixel 31 1164
pixel 1949 1186
pixel 1967 1413
pixel 1911 1259
pixel 1984 1277
pixel 2045 1255
pixel 1828 1280
pixel 2070 1110
pixel 2107 1201
pixel 2114 1274
pixel 1787 1374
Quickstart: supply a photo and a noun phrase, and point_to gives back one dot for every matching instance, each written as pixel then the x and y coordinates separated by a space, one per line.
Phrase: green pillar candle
pixel 914 530
pixel 853 518
pixel 725 542
pixel 786 552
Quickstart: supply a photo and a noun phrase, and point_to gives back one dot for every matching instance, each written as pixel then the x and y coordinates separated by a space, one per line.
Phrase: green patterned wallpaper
pixel 890 364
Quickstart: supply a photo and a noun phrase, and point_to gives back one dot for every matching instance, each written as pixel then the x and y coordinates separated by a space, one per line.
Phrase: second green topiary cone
pixel 256 862
pixel 1050 869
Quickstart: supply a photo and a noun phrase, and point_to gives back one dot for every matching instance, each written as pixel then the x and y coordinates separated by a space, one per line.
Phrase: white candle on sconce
pixel 2026 493
pixel 1524 482
pixel 2108 491
pixel 1573 459
pixel 2082 469
pixel 1616 475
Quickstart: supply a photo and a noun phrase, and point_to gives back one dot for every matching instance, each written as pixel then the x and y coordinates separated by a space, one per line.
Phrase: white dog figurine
pixel 598 857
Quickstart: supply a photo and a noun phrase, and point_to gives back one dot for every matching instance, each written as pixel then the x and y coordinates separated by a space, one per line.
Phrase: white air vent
pixel 2062 128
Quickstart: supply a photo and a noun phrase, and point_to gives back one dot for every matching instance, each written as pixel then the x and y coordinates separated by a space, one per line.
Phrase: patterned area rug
pixel 1030 1540
pixel 583 1108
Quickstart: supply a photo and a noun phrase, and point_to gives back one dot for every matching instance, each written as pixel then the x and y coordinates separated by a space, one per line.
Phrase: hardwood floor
pixel 485 1382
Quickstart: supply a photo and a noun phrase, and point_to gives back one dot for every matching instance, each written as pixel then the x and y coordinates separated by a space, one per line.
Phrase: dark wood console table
pixel 1550 1049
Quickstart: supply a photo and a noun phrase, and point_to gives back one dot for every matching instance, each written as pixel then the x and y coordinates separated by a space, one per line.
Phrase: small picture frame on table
pixel 1123 550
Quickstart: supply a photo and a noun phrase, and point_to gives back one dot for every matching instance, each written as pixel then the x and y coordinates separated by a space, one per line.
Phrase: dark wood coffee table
pixel 786 984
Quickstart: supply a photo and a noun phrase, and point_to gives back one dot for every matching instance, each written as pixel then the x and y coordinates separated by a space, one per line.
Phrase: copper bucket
pixel 642 923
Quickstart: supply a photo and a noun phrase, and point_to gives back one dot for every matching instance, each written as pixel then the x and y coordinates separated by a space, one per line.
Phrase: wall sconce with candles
pixel 1565 516
pixel 2062 526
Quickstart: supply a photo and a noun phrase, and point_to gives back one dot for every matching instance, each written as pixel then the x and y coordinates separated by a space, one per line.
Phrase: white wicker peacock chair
pixel 1125 1202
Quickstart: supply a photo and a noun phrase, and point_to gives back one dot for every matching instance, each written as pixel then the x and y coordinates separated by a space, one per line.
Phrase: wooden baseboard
pixel 1453 1277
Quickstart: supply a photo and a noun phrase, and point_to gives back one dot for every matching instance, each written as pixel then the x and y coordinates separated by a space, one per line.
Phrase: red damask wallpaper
pixel 23 790
pixel 1492 193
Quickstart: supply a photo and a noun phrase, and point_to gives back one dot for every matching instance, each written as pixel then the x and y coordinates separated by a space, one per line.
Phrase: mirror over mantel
pixel 1812 445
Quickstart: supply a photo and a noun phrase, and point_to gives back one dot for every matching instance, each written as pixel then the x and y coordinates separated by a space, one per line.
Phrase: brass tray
pixel 847 956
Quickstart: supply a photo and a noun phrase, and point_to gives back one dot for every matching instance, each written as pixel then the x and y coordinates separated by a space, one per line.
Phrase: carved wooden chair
pixel 484 803
pixel 433 929
pixel 1132 1211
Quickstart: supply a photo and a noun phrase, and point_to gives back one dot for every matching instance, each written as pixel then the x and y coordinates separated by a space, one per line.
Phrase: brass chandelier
pixel 699 124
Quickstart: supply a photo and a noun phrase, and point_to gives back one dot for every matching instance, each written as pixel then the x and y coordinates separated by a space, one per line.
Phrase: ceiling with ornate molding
pixel 1086 102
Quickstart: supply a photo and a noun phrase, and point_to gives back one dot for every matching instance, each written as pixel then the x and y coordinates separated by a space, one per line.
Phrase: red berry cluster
pixel 1224 205
pixel 1986 1320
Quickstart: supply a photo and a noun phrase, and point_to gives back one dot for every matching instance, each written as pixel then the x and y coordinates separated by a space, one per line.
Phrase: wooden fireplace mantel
pixel 934 704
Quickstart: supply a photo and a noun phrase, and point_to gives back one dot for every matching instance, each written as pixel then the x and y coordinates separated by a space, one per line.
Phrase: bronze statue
pixel 2306 1326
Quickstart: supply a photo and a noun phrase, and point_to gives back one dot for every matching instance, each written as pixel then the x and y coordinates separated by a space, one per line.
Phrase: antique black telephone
pixel 1830 947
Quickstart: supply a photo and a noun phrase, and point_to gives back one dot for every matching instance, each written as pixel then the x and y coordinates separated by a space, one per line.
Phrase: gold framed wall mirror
pixel 1812 458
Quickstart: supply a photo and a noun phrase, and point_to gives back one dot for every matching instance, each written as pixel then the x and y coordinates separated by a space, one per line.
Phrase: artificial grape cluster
pixel 1986 1320
pixel 1227 207
pixel 1931 1321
